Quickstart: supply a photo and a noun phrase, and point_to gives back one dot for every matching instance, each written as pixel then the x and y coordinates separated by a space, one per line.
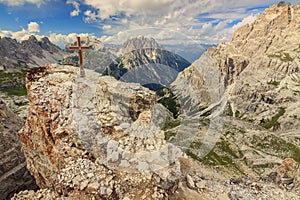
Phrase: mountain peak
pixel 140 42
pixel 31 52
pixel 32 38
pixel 270 42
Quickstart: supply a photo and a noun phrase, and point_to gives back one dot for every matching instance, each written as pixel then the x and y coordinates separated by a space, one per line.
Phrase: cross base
pixel 82 73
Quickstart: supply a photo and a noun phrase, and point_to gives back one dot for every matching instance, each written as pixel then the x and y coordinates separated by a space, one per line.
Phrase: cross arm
pixel 73 48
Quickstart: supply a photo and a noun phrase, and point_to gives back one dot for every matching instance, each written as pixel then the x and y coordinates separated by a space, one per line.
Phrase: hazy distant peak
pixel 139 42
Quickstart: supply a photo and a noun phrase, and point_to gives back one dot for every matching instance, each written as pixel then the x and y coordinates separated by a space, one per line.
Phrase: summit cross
pixel 80 48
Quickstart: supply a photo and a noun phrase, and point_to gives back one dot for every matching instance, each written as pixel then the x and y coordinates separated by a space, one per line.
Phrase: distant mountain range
pixel 36 52
pixel 31 52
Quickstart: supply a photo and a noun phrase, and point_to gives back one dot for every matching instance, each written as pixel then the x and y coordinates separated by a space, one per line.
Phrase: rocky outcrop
pixel 259 67
pixel 266 91
pixel 265 49
pixel 97 125
pixel 14 175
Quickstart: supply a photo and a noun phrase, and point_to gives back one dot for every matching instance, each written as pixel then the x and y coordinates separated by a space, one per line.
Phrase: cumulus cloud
pixel 61 39
pixel 106 27
pixel 22 2
pixel 76 5
pixel 163 36
pixel 23 34
pixel 90 16
pixel 110 8
pixel 190 18
pixel 168 21
pixel 33 27
pixel 208 21
pixel 246 20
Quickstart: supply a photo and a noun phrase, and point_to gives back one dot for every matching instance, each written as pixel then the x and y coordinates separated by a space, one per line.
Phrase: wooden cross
pixel 79 48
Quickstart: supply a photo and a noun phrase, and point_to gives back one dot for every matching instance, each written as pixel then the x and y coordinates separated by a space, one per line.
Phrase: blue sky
pixel 171 22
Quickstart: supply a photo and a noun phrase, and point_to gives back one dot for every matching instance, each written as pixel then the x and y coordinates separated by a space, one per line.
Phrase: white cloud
pixel 246 20
pixel 90 16
pixel 109 8
pixel 22 2
pixel 106 27
pixel 76 5
pixel 206 21
pixel 33 27
pixel 163 36
pixel 23 34
pixel 168 21
pixel 61 40
pixel 5 33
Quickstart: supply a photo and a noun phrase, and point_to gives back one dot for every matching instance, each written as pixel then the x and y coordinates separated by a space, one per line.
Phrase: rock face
pixel 262 59
pixel 270 43
pixel 14 175
pixel 257 75
pixel 266 49
pixel 30 52
pixel 139 43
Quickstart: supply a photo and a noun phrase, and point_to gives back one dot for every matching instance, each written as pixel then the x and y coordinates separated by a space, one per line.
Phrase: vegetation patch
pixel 169 135
pixel 12 81
pixel 221 155
pixel 276 146
pixel 275 83
pixel 273 122
pixel 237 114
pixel 169 100
pixel 17 90
pixel 171 124
pixel 283 56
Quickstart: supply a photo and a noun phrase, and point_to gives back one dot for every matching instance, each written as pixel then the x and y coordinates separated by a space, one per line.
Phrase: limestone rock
pixel 75 135
pixel 257 75
pixel 14 175
pixel 190 181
